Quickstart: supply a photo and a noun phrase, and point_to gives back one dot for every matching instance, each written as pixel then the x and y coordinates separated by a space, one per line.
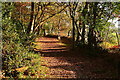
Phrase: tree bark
pixel 94 23
pixel 73 32
pixel 118 42
pixel 59 29
pixel 91 35
pixel 31 18
pixel 83 23
pixel 72 8
pixel 78 31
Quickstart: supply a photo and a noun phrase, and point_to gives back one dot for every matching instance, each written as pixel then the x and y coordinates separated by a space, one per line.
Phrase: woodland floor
pixel 65 63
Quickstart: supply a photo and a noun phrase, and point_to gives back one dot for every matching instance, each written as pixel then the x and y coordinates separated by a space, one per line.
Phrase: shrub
pixel 106 45
pixel 17 44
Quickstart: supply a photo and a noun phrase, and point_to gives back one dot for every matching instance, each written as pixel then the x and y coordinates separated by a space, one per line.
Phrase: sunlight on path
pixel 58 67
pixel 50 45
pixel 64 63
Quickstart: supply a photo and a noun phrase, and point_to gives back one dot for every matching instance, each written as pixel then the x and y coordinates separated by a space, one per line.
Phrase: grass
pixel 107 45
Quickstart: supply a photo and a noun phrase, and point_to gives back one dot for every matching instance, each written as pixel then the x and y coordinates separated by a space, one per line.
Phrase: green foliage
pixel 106 45
pixel 17 45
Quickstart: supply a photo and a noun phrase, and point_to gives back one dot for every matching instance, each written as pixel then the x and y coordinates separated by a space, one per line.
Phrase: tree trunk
pixel 83 34
pixel 83 29
pixel 31 18
pixel 78 31
pixel 69 33
pixel 94 23
pixel 38 29
pixel 90 37
pixel 59 30
pixel 117 38
pixel 73 31
pixel 44 32
pixel 72 8
pixel 78 36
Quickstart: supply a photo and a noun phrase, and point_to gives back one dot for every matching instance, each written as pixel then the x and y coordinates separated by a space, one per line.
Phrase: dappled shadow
pixel 53 52
pixel 75 63
pixel 48 41
pixel 52 47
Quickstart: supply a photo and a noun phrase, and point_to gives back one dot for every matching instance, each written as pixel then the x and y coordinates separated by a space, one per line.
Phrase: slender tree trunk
pixel 72 8
pixel 118 41
pixel 94 23
pixel 90 22
pixel 83 34
pixel 38 29
pixel 59 30
pixel 44 32
pixel 31 18
pixel 68 33
pixel 78 35
pixel 83 29
pixel 73 31
pixel 90 37
pixel 78 31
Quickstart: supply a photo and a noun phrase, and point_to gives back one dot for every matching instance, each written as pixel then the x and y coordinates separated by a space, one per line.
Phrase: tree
pixel 17 45
pixel 72 12
pixel 47 11
pixel 31 24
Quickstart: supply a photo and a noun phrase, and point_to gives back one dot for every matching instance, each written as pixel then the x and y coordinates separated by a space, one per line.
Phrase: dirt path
pixel 64 63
